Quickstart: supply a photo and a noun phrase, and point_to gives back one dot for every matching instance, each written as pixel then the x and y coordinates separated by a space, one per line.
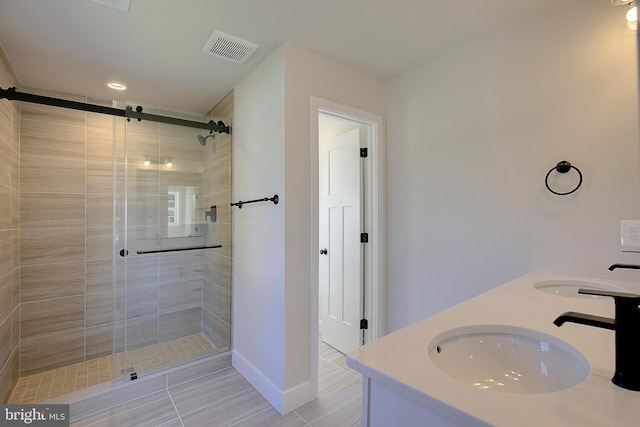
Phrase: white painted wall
pixel 471 136
pixel 274 246
pixel 258 273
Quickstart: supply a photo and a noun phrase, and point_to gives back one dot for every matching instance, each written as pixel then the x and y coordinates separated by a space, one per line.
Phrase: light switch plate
pixel 630 236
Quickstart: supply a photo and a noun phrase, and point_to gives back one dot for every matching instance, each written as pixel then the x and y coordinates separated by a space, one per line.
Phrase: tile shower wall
pixel 9 235
pixel 66 239
pixel 65 234
pixel 216 295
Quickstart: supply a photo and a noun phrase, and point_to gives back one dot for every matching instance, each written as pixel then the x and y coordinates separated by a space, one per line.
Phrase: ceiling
pixel 76 46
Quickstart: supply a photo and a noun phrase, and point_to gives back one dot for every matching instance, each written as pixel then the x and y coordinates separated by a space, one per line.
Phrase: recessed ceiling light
pixel 117 85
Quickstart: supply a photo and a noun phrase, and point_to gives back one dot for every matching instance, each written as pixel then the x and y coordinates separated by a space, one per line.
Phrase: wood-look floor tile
pixel 272 418
pixel 173 423
pixel 210 392
pixel 150 410
pixel 227 412
pixel 347 415
pixel 335 386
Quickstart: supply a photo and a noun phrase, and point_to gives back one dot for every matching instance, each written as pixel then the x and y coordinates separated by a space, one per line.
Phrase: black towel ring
pixel 563 167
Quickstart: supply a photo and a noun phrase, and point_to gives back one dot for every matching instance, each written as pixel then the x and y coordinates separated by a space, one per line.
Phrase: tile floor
pixel 67 379
pixel 224 398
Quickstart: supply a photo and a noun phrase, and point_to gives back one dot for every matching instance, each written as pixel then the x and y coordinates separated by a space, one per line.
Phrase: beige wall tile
pixel 221 301
pixel 217 268
pixel 46 281
pixel 99 178
pixel 207 295
pixel 52 245
pixel 217 178
pixel 32 111
pixel 180 266
pixel 142 332
pixel 180 296
pixel 142 301
pixel 99 341
pixel 51 351
pixel 15 330
pixel 102 121
pixel 15 288
pixel 5 161
pixel 142 270
pixel 5 383
pixel 5 339
pixel 99 210
pixel 99 275
pixel 5 207
pixel 15 126
pixel 15 209
pixel 38 138
pixel 5 252
pixel 99 243
pixel 51 175
pixel 206 324
pixel 222 332
pixel 46 210
pixel 100 144
pixel 5 121
pixel 179 324
pixel 15 248
pixel 140 148
pixel 99 308
pixel 51 316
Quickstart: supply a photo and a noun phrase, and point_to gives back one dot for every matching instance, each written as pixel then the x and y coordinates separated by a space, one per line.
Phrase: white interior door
pixel 340 264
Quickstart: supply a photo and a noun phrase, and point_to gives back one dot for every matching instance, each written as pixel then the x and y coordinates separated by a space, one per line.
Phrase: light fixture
pixel 169 163
pixel 632 13
pixel 632 16
pixel 147 162
pixel 117 85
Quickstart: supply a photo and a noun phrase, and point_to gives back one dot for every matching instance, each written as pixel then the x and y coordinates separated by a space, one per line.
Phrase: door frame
pixel 375 289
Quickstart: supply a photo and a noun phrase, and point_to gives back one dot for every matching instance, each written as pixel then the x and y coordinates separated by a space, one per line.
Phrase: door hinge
pixel 364 237
pixel 364 324
pixel 364 152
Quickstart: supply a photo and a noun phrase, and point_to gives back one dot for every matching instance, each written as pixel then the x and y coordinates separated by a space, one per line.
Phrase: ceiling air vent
pixel 229 47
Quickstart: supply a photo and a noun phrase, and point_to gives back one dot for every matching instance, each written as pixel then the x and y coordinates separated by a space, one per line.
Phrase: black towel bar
pixel 176 249
pixel 275 199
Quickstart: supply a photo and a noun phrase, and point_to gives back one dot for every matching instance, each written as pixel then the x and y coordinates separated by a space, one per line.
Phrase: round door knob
pixel 323 251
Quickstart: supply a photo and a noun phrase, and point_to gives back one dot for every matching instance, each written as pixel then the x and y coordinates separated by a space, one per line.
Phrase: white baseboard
pixel 283 401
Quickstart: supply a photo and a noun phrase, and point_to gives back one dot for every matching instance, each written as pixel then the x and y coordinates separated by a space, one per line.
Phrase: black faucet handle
pixel 627 306
pixel 615 295
pixel 630 266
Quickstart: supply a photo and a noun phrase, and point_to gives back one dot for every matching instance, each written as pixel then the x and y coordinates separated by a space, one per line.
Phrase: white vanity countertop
pixel 400 361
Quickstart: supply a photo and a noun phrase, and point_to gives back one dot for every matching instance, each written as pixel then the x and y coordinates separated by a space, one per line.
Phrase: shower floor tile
pixel 67 379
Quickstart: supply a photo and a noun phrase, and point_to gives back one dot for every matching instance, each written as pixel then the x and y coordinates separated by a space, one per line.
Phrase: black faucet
pixel 631 266
pixel 627 327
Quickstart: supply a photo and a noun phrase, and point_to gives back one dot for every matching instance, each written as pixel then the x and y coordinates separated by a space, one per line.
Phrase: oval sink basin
pixel 508 359
pixel 569 288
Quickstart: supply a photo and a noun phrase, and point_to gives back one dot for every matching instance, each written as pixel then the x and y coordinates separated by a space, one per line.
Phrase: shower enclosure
pixel 172 239
pixel 124 244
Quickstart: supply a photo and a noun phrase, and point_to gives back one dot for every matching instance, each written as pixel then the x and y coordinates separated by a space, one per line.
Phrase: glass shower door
pixel 159 296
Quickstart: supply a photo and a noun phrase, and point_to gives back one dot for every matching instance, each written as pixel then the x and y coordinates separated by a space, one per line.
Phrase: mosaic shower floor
pixel 67 379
